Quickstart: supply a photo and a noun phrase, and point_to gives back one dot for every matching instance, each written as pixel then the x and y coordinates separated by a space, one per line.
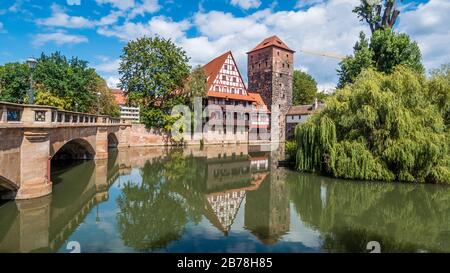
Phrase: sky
pixel 97 30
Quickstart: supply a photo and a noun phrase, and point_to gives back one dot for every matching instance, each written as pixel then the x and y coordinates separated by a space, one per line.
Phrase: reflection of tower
pixel 267 209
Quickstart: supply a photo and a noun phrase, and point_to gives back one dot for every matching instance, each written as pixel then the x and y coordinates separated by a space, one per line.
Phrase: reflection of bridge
pixel 45 223
pixel 32 135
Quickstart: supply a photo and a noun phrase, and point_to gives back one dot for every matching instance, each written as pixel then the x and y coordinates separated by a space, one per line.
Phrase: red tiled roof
pixel 232 96
pixel 258 100
pixel 213 68
pixel 271 41
pixel 119 96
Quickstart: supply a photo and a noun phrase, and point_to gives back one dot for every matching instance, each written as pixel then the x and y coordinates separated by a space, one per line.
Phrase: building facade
pixel 126 112
pixel 299 114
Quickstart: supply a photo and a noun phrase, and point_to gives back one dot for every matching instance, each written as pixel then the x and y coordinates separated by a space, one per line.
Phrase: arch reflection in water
pixel 231 199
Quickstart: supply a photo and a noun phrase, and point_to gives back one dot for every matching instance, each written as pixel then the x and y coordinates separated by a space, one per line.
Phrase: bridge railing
pixel 38 115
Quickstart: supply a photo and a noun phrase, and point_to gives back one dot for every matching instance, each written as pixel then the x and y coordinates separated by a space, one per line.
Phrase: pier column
pixel 101 143
pixel 34 164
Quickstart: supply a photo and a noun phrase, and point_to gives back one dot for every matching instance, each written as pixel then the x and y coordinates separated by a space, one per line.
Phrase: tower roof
pixel 271 41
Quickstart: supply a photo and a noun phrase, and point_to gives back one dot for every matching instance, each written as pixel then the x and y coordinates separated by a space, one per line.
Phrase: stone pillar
pixel 101 143
pixel 123 136
pixel 34 224
pixel 34 164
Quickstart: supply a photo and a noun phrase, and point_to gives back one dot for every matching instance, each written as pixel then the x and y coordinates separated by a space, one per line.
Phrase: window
pixel 217 88
pixel 267 64
pixel 224 78
pixel 66 118
pixel 278 53
pixel 59 117
pixel 225 89
pixel 232 90
pixel 232 68
pixel 39 116
pixel 225 67
pixel 13 115
pixel 287 55
pixel 234 79
pixel 74 119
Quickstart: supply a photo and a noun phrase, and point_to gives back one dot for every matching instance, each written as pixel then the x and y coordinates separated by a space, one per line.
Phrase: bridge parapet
pixel 22 115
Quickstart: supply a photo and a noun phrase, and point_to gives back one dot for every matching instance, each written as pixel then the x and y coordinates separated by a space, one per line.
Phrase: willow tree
pixel 382 127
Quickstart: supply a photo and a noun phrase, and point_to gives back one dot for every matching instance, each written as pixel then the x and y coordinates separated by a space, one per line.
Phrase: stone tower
pixel 270 73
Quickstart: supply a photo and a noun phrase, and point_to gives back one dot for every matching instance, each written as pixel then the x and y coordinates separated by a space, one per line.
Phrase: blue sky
pixel 97 30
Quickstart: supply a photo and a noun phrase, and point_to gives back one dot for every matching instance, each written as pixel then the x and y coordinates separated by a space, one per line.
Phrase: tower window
pixel 266 64
pixel 278 53
pixel 283 65
pixel 287 55
pixel 259 65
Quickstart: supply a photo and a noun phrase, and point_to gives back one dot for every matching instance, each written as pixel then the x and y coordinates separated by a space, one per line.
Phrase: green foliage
pixel 304 88
pixel 106 101
pixel 439 91
pixel 386 50
pixel 291 150
pixel 44 97
pixel 14 82
pixel 153 73
pixel 382 127
pixel 68 79
pixel 196 83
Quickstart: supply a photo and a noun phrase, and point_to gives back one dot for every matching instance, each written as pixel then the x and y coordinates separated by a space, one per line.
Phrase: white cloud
pixel 132 7
pixel 60 19
pixel 73 2
pixel 428 25
pixel 108 66
pixel 158 25
pixel 307 3
pixel 246 4
pixel 2 29
pixel 58 38
pixel 112 81
pixel 120 4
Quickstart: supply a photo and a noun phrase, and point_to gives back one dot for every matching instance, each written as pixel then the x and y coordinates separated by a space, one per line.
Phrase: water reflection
pixel 232 199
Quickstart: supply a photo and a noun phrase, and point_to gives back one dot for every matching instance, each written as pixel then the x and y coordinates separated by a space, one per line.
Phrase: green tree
pixel 371 11
pixel 14 82
pixel 304 88
pixel 106 102
pixel 153 73
pixel 439 91
pixel 69 79
pixel 385 50
pixel 196 84
pixel 382 127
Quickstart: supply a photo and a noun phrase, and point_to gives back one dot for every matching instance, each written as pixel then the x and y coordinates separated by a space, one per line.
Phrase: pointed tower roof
pixel 271 41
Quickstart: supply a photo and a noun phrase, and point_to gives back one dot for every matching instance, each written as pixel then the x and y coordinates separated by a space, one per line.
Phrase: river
pixel 221 199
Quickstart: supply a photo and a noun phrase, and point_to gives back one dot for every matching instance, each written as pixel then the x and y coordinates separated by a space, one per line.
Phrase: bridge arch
pixel 113 142
pixel 75 149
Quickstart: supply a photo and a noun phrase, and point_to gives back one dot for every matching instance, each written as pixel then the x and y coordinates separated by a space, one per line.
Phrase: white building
pixel 126 112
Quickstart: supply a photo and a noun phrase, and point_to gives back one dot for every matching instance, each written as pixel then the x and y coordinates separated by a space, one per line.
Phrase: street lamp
pixel 98 103
pixel 31 62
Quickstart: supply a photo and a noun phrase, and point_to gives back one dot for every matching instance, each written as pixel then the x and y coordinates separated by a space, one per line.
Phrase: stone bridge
pixel 31 136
